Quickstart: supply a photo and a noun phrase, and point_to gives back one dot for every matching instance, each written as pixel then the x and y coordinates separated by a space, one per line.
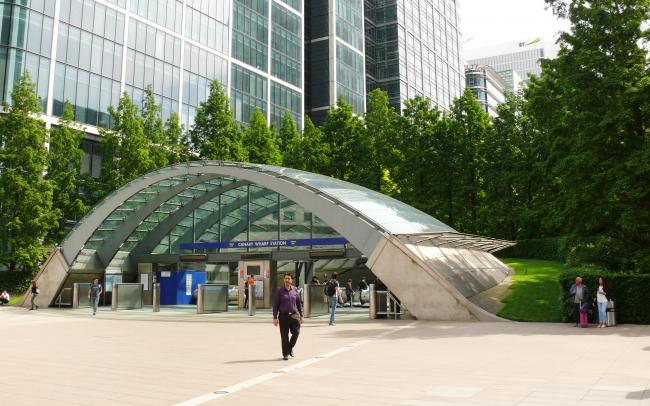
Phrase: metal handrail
pixel 392 304
pixel 58 299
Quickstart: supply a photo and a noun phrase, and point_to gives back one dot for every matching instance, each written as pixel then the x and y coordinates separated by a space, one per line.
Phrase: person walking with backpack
pixel 333 296
pixel 287 311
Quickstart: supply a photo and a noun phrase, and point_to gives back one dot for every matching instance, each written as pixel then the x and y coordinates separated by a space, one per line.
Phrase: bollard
pixel 114 299
pixel 373 301
pixel 75 296
pixel 251 300
pixel 156 297
pixel 199 299
pixel 306 300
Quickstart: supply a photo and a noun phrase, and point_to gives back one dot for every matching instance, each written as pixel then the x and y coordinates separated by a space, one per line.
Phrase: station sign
pixel 264 244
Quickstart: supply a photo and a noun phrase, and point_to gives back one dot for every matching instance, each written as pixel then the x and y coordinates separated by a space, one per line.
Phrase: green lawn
pixel 535 291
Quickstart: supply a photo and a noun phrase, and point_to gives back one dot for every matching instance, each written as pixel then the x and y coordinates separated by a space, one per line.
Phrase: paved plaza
pixel 67 357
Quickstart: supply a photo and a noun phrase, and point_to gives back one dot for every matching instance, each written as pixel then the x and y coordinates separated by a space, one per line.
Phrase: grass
pixel 536 293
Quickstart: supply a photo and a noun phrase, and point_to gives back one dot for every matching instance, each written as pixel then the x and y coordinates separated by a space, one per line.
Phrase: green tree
pixel 511 175
pixel 26 214
pixel 381 126
pixel 341 131
pixel 179 146
pixel 593 106
pixel 470 127
pixel 289 141
pixel 63 170
pixel 216 134
pixel 154 129
pixel 313 150
pixel 425 175
pixel 258 142
pixel 125 148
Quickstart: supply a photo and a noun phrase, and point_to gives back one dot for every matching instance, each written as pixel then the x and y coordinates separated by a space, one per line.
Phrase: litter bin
pixel 611 314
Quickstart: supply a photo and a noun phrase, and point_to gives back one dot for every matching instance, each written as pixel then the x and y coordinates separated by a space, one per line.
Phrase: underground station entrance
pixel 194 235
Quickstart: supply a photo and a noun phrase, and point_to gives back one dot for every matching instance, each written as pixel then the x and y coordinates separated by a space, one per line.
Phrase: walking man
pixel 332 292
pixel 287 311
pixel 93 294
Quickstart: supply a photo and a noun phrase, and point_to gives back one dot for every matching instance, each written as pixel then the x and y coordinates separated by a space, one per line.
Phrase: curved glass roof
pixel 385 212
pixel 199 202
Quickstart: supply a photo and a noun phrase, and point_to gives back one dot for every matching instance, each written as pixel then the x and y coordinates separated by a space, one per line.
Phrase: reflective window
pixel 283 99
pixel 247 92
pixel 250 33
pixel 287 45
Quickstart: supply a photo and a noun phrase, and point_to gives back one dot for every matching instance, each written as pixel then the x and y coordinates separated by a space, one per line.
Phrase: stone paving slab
pixel 64 357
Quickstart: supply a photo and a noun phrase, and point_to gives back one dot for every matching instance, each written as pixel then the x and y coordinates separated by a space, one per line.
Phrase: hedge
pixel 552 249
pixel 16 281
pixel 629 292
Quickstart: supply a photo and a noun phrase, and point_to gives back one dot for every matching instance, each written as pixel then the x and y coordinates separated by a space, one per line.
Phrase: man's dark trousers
pixel 288 323
pixel 576 313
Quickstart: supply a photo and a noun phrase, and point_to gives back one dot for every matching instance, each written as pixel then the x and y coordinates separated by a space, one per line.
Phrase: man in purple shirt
pixel 287 310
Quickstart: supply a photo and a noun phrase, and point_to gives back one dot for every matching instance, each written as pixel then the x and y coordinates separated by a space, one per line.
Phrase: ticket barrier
pixel 127 296
pixel 212 298
pixel 80 295
pixel 314 300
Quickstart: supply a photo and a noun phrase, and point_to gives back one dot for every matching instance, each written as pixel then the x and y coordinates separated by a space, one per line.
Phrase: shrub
pixel 16 281
pixel 553 249
pixel 627 290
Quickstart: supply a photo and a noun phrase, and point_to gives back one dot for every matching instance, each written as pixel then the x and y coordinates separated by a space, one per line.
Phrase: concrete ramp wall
pixel 52 274
pixel 469 271
pixel 429 293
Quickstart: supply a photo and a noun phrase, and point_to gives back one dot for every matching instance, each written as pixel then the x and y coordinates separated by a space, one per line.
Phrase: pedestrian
pixel 349 290
pixel 332 291
pixel 35 291
pixel 363 285
pixel 315 281
pixel 249 281
pixel 580 298
pixel 287 311
pixel 602 298
pixel 93 294
pixel 4 298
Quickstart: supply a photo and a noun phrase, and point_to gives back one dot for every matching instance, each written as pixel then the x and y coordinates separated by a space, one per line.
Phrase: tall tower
pixel 334 51
pixel 413 48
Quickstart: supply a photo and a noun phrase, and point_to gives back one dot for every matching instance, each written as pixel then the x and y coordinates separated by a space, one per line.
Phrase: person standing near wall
pixel 93 294
pixel 287 311
pixel 602 298
pixel 35 291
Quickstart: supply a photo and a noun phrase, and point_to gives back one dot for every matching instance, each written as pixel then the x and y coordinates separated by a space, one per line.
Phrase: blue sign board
pixel 263 244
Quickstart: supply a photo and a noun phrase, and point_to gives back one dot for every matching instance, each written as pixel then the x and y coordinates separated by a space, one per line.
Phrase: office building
pixel 334 50
pixel 412 48
pixel 488 87
pixel 90 51
pixel 524 62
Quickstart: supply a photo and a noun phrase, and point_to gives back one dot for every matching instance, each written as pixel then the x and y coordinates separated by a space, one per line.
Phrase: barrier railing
pixel 384 304
pixel 64 298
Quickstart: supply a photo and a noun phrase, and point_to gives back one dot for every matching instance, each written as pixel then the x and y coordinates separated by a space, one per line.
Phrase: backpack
pixel 331 288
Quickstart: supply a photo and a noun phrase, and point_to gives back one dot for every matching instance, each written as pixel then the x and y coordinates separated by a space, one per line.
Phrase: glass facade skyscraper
pixel 412 48
pixel 89 51
pixel 334 50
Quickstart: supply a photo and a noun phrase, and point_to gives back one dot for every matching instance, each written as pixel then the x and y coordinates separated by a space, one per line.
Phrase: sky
pixel 491 26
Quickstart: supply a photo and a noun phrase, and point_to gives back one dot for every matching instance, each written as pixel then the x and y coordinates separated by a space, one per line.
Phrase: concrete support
pixel 425 293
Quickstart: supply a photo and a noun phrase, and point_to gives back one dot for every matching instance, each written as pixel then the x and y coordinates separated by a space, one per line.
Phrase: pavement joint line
pixel 223 392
